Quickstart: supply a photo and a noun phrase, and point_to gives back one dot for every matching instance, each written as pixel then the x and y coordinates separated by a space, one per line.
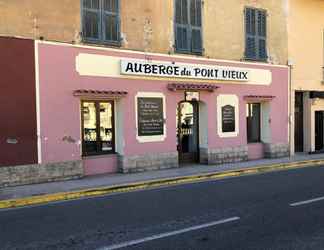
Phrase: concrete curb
pixel 72 195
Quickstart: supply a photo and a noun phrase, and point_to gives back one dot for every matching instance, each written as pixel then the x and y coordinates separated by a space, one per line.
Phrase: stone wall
pixel 38 173
pixel 223 155
pixel 141 163
pixel 276 150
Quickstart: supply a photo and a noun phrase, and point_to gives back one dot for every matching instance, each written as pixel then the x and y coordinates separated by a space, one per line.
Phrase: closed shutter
pixel 91 19
pixel 262 35
pixel 195 21
pixel 110 17
pixel 181 25
pixel 255 34
pixel 250 33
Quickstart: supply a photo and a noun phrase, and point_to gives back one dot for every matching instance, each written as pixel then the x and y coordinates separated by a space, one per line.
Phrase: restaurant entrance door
pixel 319 133
pixel 188 131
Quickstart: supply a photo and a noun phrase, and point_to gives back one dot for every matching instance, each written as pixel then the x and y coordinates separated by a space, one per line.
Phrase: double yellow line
pixel 123 188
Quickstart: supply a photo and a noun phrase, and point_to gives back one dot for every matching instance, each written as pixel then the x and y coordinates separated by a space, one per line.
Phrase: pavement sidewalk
pixel 104 184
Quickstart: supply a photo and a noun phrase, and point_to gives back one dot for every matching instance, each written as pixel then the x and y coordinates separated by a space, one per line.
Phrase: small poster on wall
pixel 228 119
pixel 150 116
pixel 191 96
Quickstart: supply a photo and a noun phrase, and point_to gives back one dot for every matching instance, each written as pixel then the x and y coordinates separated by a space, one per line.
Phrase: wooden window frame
pixel 249 115
pixel 101 26
pixel 98 141
pixel 256 37
pixel 189 27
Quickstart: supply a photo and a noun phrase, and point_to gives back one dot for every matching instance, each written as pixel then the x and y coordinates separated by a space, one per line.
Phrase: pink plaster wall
pixel 60 111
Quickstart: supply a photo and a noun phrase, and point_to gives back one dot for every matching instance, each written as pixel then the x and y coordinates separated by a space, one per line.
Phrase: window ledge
pixel 188 53
pixel 255 60
pixel 116 44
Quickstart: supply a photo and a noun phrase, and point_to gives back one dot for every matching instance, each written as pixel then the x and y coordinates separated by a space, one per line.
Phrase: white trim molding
pixel 87 64
pixel 39 139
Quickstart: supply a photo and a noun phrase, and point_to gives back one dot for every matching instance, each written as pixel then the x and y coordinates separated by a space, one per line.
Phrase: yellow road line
pixel 43 199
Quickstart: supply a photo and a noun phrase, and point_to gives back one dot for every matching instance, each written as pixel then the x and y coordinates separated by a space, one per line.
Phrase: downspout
pixel 323 59
pixel 290 110
pixel 290 65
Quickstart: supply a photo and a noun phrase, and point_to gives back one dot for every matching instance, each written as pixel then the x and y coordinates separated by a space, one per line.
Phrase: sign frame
pixel 150 138
pixel 183 70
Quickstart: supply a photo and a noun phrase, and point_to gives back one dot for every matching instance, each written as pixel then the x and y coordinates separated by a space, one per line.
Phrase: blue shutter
pixel 196 30
pixel 181 25
pixel 250 33
pixel 110 20
pixel 255 34
pixel 91 19
pixel 262 34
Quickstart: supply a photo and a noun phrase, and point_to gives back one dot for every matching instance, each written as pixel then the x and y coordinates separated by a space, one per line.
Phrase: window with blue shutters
pixel 188 30
pixel 100 21
pixel 255 34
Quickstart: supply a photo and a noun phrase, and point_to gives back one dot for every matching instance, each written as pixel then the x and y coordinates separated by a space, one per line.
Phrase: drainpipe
pixel 323 60
pixel 290 65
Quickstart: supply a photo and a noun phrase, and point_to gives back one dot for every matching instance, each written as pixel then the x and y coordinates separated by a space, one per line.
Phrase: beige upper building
pixel 148 25
pixel 306 57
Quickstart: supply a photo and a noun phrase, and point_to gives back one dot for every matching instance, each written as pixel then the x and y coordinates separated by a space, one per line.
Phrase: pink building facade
pixel 123 111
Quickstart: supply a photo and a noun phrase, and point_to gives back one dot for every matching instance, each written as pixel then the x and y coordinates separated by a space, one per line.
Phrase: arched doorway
pixel 188 131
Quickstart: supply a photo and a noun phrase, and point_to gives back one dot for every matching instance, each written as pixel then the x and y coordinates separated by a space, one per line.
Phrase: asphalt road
pixel 251 212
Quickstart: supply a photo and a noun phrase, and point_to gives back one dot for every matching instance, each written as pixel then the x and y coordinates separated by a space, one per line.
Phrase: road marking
pixel 306 202
pixel 168 234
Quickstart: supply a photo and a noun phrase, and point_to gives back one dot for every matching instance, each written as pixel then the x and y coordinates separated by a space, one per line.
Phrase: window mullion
pixel 256 38
pixel 101 33
pixel 118 21
pixel 189 25
pixel 98 125
pixel 113 125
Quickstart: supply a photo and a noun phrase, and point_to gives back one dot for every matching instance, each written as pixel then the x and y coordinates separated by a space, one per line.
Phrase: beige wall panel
pixel 57 20
pixel 306 27
pixel 224 28
pixel 147 25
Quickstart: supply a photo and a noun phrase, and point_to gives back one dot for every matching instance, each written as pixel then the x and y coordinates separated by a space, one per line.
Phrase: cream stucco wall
pixel 306 43
pixel 57 20
pixel 305 27
pixel 224 28
pixel 147 25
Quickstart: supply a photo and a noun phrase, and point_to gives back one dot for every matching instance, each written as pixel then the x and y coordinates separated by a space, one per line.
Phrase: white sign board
pixel 192 71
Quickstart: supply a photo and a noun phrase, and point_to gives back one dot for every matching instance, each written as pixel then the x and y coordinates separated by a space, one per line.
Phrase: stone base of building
pixel 39 173
pixel 223 155
pixel 276 150
pixel 141 163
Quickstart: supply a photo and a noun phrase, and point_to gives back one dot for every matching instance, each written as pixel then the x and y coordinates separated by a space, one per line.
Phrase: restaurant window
pixel 100 21
pixel 188 30
pixel 98 127
pixel 255 34
pixel 253 121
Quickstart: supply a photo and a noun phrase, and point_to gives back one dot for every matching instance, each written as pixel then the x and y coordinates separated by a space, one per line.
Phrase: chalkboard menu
pixel 228 118
pixel 150 116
